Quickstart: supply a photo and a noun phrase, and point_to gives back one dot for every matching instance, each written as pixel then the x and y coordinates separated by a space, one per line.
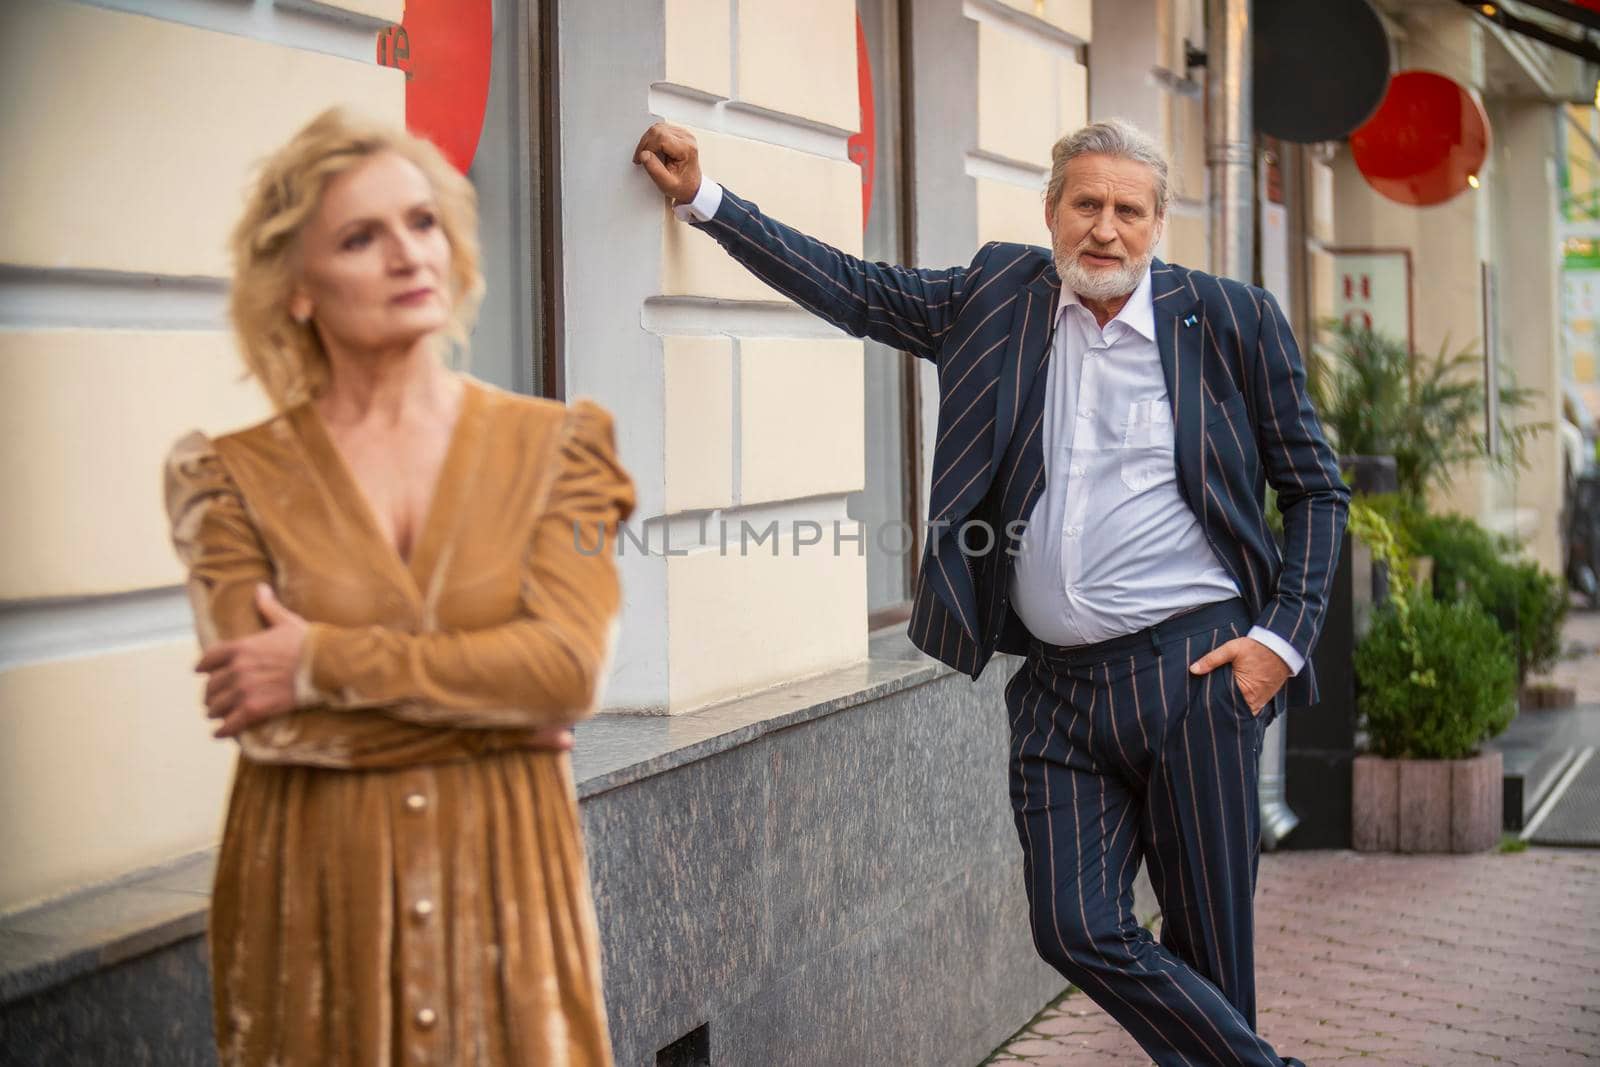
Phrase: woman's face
pixel 374 261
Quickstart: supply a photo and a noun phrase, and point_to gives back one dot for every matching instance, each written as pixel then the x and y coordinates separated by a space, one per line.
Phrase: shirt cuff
pixel 703 208
pixel 1295 661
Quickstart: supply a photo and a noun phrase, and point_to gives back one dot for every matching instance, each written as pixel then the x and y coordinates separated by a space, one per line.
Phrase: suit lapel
pixel 1024 356
pixel 1180 332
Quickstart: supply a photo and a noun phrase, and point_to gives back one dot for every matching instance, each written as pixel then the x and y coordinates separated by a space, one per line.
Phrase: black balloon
pixel 1321 67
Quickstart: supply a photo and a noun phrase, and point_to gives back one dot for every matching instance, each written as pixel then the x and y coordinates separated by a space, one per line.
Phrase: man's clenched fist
pixel 672 159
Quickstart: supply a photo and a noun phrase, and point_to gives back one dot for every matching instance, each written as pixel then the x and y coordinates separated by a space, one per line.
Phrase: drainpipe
pixel 1230 139
pixel 1230 157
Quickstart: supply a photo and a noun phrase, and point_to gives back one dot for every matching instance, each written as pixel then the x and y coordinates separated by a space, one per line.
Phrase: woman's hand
pixel 552 739
pixel 252 679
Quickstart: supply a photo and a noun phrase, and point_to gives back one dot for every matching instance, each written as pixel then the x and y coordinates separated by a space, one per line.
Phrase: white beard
pixel 1099 284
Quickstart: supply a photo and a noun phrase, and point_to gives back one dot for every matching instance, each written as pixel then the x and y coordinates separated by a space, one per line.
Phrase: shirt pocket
pixel 1147 445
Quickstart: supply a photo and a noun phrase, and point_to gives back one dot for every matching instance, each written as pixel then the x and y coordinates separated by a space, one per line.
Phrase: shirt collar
pixel 1138 314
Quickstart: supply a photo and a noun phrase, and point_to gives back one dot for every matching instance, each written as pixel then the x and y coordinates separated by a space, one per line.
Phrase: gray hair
pixel 1118 138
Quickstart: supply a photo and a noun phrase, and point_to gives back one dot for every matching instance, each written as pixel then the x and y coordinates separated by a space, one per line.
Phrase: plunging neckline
pixel 442 500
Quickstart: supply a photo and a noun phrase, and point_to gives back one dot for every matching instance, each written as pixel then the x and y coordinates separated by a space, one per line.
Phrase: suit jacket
pixel 1242 417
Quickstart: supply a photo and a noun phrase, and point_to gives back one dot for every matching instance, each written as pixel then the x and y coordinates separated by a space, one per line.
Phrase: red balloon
pixel 1425 140
pixel 445 48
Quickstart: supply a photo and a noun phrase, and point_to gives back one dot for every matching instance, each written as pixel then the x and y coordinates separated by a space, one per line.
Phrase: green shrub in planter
pixel 1463 552
pixel 1469 562
pixel 1436 679
pixel 1541 608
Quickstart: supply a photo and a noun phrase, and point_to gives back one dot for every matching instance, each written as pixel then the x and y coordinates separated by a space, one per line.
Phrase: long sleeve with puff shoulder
pixel 502 618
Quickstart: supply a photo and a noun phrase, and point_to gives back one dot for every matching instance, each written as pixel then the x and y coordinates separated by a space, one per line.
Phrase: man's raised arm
pixel 911 310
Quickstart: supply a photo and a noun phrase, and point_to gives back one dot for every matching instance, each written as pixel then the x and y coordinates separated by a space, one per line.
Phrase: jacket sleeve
pixel 1302 468
pixel 543 668
pixel 912 310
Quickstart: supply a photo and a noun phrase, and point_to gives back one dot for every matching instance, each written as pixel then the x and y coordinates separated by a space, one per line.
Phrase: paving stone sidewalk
pixel 1425 961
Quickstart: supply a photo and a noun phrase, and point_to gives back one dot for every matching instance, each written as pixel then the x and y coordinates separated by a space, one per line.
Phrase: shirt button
pixel 416 802
pixel 1077 469
pixel 426 1017
pixel 422 908
pixel 1072 531
pixel 1086 412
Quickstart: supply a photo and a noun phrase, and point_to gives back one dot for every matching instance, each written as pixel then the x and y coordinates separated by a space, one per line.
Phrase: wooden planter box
pixel 1411 805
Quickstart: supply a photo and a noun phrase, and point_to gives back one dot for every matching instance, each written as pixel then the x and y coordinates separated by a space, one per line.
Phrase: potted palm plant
pixel 1377 397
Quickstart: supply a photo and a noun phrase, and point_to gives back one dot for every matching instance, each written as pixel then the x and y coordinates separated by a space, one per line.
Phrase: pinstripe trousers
pixel 1119 754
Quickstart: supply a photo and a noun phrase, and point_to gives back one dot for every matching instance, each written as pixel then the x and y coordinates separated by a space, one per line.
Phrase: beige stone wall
pixel 125 144
pixel 1137 73
pixel 763 407
pixel 1033 87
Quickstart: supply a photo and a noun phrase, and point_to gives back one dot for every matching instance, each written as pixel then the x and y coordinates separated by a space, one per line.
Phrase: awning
pixel 1580 19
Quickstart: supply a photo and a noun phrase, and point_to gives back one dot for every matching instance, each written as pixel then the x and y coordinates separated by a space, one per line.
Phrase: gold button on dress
pixel 395 850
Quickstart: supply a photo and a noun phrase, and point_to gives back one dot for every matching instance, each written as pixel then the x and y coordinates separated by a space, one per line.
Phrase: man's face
pixel 1104 226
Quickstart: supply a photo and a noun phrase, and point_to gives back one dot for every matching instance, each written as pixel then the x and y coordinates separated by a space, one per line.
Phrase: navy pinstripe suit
pixel 1088 803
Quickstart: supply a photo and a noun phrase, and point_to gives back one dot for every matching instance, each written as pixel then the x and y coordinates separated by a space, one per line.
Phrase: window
pixel 889 500
pixel 511 346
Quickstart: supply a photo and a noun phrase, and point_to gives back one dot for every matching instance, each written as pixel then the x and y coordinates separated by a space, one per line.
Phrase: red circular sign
pixel 445 48
pixel 1427 138
pixel 863 145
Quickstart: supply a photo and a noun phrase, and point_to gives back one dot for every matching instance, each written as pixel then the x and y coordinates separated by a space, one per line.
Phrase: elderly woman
pixel 397 586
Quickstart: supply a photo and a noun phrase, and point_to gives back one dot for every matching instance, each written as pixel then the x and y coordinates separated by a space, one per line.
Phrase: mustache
pixel 1097 250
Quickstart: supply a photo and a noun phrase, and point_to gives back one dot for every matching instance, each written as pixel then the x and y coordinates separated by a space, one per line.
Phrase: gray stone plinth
pixel 847 890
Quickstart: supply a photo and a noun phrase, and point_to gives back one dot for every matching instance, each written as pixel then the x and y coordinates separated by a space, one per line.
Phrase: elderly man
pixel 1115 421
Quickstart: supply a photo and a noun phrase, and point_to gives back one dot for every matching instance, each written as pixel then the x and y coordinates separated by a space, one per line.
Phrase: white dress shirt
pixel 1111 547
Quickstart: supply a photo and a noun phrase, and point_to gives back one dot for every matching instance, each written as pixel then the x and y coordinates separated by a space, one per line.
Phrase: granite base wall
pixel 150 1011
pixel 847 891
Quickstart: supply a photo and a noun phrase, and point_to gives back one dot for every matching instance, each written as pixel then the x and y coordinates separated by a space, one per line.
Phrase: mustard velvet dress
pixel 401 878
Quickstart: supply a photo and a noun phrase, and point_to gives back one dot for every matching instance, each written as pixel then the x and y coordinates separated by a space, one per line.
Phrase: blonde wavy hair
pixel 285 356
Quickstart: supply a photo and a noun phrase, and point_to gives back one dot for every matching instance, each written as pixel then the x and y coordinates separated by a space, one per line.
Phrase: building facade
pixel 792 816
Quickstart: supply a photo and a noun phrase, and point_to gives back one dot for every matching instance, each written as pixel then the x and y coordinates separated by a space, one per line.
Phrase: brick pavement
pixel 1424 961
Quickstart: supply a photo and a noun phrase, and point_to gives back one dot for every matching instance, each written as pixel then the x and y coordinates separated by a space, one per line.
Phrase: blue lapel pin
pixel 1191 320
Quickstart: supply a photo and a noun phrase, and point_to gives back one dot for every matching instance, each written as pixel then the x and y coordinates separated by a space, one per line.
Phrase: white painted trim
pixel 693 107
pixel 997 168
pixel 1041 33
pixel 736 412
pixel 694 316
pixel 35 299
pixel 303 24
pixel 47 631
pixel 698 532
